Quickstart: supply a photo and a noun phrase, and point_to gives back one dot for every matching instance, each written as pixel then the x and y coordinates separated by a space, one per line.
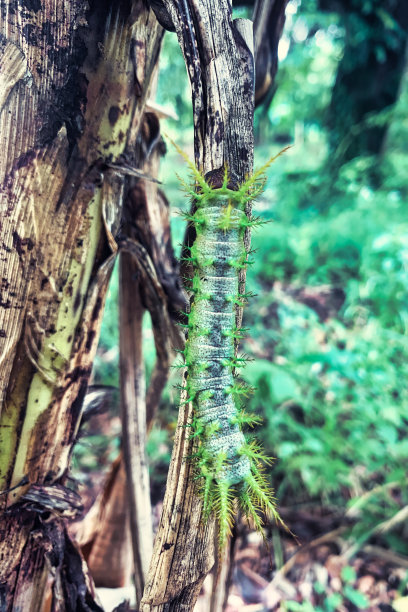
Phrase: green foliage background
pixel 332 389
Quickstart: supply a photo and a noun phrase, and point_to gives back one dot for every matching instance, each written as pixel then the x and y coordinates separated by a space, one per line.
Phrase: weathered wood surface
pixel 269 19
pixel 73 87
pixel 214 48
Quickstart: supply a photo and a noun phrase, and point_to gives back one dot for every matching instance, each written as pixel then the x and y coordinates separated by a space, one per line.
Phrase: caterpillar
pixel 229 468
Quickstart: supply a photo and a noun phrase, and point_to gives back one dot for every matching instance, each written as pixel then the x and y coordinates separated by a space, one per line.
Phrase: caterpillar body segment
pixel 229 468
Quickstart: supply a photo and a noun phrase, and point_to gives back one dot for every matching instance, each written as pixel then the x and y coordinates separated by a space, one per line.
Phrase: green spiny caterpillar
pixel 229 468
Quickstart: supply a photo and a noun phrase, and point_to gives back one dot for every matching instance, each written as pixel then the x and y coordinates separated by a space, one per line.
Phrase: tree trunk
pixel 214 48
pixel 72 92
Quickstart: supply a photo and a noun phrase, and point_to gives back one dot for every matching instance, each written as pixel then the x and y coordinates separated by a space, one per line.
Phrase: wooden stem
pixel 133 406
pixel 220 65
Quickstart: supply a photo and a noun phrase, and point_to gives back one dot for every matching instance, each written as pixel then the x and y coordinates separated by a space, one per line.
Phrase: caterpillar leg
pixel 252 495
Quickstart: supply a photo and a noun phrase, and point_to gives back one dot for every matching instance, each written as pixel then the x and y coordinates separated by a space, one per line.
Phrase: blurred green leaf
pixel 280 383
pixel 348 574
pixel 356 597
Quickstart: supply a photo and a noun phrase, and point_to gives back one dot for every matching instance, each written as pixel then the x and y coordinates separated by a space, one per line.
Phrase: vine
pixel 229 468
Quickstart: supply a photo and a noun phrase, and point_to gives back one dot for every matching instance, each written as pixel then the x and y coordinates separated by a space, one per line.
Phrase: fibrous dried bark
pixel 72 98
pixel 149 281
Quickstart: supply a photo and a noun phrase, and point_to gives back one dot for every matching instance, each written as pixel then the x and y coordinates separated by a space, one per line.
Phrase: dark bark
pixel 215 48
pixel 269 19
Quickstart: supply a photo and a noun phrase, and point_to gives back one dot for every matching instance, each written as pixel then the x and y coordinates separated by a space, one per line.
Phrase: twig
pixel 386 555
